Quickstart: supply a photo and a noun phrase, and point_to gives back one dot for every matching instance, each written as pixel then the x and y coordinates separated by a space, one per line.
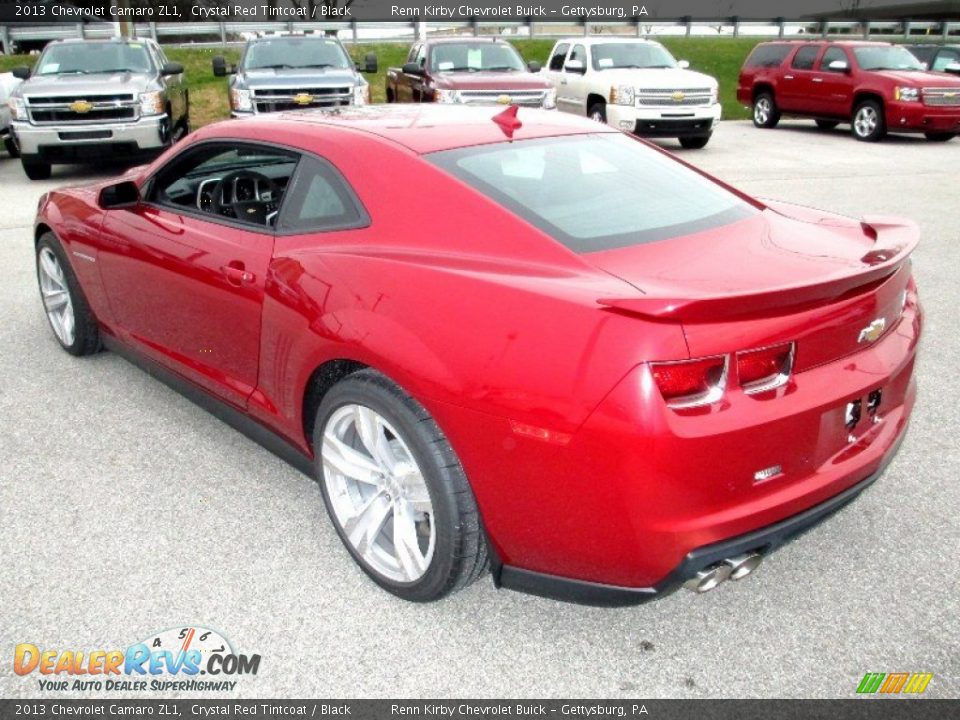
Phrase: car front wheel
pixel 598 112
pixel 68 313
pixel 694 143
pixel 11 145
pixel 35 170
pixel 765 112
pixel 868 123
pixel 396 491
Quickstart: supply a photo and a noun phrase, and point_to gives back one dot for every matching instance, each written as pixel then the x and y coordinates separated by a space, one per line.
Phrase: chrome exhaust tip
pixel 742 565
pixel 708 578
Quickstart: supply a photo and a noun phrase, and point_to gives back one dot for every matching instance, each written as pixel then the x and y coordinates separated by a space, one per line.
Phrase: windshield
pixel 886 58
pixel 595 192
pixel 295 53
pixel 608 56
pixel 475 57
pixel 88 58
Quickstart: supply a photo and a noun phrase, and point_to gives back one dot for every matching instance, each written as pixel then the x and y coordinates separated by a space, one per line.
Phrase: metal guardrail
pixel 223 33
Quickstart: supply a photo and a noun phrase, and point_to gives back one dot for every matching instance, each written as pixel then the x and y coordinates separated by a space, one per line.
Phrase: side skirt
pixel 239 421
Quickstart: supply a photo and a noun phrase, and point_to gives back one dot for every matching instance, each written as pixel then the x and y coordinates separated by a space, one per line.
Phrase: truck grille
pixel 941 96
pixel 297 98
pixel 529 98
pixel 674 98
pixel 74 109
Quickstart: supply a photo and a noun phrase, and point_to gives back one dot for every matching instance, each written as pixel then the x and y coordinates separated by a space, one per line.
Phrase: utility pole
pixel 123 27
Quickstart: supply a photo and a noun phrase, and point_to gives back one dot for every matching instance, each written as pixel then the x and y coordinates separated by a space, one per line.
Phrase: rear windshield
pixel 767 56
pixel 595 192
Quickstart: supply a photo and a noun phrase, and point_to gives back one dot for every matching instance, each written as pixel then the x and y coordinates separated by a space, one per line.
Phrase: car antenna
pixel 508 120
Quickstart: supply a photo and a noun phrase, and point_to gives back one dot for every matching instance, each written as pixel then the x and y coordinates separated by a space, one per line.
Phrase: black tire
pixel 765 111
pixel 697 142
pixel 86 339
pixel 598 112
pixel 867 131
pixel 390 98
pixel 939 136
pixel 460 550
pixel 827 124
pixel 36 169
pixel 12 148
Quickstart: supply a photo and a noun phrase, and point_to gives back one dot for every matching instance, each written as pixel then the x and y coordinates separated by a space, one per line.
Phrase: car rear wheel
pixel 70 318
pixel 827 124
pixel 695 143
pixel 395 490
pixel 11 145
pixel 35 169
pixel 939 137
pixel 765 112
pixel 598 112
pixel 868 123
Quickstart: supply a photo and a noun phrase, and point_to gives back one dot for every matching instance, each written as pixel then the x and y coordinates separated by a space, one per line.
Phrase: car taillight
pixel 690 383
pixel 765 368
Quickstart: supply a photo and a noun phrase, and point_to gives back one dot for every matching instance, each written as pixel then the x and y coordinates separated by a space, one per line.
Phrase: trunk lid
pixel 830 284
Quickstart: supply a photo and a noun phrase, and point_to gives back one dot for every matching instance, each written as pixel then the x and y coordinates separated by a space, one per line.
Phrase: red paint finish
pixel 547 394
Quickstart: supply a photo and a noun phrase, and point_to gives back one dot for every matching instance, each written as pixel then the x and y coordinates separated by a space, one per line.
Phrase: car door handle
pixel 817 79
pixel 788 77
pixel 237 275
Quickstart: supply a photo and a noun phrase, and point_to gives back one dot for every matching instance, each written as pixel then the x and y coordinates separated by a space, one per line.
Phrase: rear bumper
pixel 102 141
pixel 664 121
pixel 917 117
pixel 765 541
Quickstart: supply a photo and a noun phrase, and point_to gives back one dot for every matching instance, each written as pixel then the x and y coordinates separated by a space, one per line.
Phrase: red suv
pixel 876 87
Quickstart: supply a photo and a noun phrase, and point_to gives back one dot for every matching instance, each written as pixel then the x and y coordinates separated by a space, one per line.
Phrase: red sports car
pixel 509 340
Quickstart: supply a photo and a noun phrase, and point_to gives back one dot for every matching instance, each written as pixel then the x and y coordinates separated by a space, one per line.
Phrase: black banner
pixel 859 709
pixel 75 11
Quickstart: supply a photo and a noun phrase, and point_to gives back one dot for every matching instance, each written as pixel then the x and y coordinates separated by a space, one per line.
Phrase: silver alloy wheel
pixel 866 121
pixel 56 296
pixel 378 493
pixel 761 111
pixel 597 116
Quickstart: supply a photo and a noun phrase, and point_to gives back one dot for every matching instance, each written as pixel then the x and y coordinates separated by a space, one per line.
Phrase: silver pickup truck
pixel 7 84
pixel 97 101
pixel 293 72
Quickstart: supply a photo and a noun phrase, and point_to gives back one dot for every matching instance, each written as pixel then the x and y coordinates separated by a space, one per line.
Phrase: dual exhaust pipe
pixel 734 568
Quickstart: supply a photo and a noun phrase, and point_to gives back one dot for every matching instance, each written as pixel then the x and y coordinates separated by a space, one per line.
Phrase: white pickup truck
pixel 634 85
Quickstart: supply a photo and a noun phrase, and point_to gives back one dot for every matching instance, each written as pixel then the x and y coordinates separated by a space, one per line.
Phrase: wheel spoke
pixel 363 528
pixel 349 462
pixel 55 299
pixel 415 492
pixel 405 543
pixel 371 431
pixel 51 267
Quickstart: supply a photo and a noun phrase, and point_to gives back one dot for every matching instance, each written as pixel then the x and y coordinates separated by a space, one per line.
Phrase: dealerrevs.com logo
pixel 894 683
pixel 187 659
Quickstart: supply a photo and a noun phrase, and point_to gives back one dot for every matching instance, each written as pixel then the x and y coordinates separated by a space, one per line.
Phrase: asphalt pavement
pixel 125 510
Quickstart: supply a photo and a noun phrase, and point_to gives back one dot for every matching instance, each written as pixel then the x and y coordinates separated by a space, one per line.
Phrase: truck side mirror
pixel 839 66
pixel 370 64
pixel 533 66
pixel 219 66
pixel 122 195
pixel 171 68
pixel 576 66
pixel 683 64
pixel 412 69
pixel 21 73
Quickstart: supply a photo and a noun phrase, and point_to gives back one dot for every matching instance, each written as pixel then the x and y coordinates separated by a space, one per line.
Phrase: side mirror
pixel 533 66
pixel 122 195
pixel 576 66
pixel 370 64
pixel 925 65
pixel 171 68
pixel 412 69
pixel 838 66
pixel 683 64
pixel 953 68
pixel 21 73
pixel 219 66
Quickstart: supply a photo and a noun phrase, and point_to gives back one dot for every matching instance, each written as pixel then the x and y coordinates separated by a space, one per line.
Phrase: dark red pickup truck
pixel 470 71
pixel 876 87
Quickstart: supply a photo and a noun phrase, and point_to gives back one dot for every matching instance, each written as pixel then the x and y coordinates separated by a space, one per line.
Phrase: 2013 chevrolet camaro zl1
pixel 499 339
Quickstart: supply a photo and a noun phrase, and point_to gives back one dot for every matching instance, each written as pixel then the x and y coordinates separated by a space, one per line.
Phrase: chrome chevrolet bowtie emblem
pixel 872 331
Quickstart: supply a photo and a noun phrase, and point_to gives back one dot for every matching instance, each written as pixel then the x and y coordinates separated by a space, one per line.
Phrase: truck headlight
pixel 906 94
pixel 361 94
pixel 714 92
pixel 446 96
pixel 18 108
pixel 622 95
pixel 151 103
pixel 240 100
pixel 550 99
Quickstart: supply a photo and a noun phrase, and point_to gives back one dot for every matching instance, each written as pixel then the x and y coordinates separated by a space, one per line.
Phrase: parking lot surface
pixel 126 510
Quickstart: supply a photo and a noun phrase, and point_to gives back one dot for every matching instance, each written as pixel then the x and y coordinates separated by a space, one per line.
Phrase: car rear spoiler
pixel 894 241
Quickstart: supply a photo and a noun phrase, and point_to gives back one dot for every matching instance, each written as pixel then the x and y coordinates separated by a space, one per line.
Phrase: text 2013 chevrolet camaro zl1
pixel 515 340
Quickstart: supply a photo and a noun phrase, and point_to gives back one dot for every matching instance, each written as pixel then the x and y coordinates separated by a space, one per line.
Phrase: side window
pixel 243 183
pixel 412 55
pixel 805 57
pixel 421 57
pixel 559 55
pixel 832 55
pixel 768 56
pixel 320 200
pixel 945 59
pixel 579 53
